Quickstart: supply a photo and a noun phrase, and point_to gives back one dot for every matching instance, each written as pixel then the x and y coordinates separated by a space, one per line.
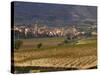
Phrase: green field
pixel 81 54
pixel 47 42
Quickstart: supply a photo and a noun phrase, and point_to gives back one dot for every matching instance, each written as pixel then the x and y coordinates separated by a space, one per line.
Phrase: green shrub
pixel 39 45
pixel 18 44
pixel 66 41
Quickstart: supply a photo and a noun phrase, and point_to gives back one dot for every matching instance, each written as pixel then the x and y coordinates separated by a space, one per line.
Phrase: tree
pixel 66 41
pixel 39 45
pixel 17 44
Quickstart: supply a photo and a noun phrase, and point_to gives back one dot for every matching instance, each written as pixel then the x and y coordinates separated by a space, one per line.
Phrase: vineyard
pixel 79 55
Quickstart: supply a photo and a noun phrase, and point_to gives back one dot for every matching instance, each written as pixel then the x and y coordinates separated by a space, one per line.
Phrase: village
pixel 36 31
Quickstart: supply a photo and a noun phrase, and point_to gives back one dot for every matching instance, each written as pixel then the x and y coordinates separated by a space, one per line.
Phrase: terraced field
pixel 80 56
pixel 80 63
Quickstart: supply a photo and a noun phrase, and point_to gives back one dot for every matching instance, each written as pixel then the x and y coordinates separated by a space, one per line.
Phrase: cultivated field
pixel 80 55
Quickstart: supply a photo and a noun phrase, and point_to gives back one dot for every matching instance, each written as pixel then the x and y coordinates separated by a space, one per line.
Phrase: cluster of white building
pixel 43 31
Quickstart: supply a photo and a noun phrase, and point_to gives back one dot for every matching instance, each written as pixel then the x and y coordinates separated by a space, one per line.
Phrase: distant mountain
pixel 52 14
